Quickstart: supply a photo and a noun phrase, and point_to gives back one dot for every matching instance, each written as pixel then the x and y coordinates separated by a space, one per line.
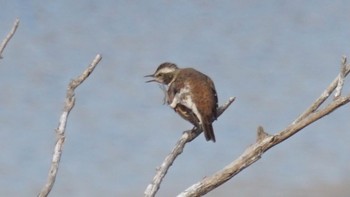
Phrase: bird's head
pixel 164 73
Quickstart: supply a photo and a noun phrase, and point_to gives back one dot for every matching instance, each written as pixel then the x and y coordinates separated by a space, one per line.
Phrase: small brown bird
pixel 191 94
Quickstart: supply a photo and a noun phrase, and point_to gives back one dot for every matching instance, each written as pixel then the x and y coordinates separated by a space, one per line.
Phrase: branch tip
pixel 344 59
pixel 261 134
pixel 222 108
pixel 9 36
pixel 342 74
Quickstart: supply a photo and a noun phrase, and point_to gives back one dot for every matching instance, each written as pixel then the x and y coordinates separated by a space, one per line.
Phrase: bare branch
pixel 254 152
pixel 223 108
pixel 265 141
pixel 69 104
pixel 8 37
pixel 187 136
pixel 324 96
pixel 342 75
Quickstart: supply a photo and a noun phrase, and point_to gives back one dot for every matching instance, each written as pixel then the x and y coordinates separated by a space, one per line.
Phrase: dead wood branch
pixel 60 130
pixel 187 136
pixel 9 36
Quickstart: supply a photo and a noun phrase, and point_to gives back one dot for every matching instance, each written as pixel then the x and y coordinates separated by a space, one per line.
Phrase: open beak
pixel 152 80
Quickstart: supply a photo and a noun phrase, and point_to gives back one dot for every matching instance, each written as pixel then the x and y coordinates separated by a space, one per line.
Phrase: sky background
pixel 276 57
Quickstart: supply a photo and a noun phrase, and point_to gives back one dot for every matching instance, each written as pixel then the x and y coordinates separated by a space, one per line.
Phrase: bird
pixel 191 94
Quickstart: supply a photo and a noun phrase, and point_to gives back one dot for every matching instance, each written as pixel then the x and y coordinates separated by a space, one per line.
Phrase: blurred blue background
pixel 276 57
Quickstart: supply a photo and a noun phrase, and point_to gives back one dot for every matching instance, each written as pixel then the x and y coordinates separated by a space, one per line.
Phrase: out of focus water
pixel 276 57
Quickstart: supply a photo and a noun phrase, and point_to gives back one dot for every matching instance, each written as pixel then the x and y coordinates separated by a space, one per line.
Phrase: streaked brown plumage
pixel 191 94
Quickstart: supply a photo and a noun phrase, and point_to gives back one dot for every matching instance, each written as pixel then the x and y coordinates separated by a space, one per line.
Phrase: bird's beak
pixel 152 80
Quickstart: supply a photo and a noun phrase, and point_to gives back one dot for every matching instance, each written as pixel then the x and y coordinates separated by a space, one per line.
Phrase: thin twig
pixel 9 36
pixel 342 74
pixel 187 136
pixel 69 104
pixel 324 96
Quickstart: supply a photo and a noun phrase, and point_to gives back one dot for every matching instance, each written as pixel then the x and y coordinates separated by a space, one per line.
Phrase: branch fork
pixel 186 137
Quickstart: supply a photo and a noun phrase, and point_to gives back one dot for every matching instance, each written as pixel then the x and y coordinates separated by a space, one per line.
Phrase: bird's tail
pixel 208 132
